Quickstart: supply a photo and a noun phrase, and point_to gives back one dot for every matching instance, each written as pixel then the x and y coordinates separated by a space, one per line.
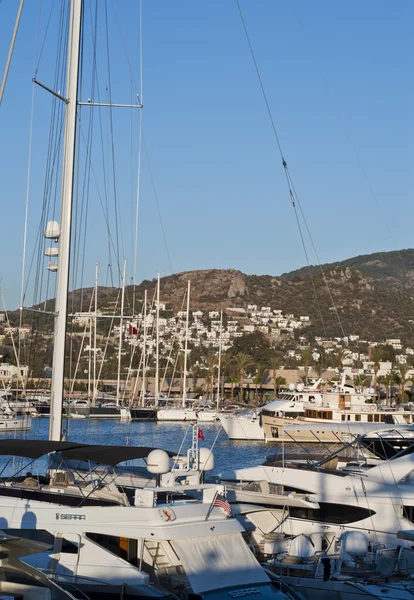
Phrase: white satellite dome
pixel 158 462
pixel 206 459
pixel 355 543
pixel 52 231
pixel 300 387
pixel 291 387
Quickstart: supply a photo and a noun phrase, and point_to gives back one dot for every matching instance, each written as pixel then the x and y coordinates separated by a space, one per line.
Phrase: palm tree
pixel 306 356
pixel 376 357
pixel 242 361
pixel 211 360
pixel 280 381
pixel 258 379
pixel 361 380
pixel 338 359
pixel 319 366
pixel 275 363
pixel 234 378
pixel 227 368
pixel 380 381
pixel 387 381
pixel 403 370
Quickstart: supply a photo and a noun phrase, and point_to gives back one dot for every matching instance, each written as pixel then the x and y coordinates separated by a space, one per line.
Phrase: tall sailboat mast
pixel 157 344
pixel 186 346
pixel 62 285
pixel 219 361
pixel 144 352
pixel 94 335
pixel 121 327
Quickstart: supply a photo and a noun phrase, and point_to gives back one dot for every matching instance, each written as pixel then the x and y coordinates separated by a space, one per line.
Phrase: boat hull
pixel 143 414
pixel 242 428
pixel 176 414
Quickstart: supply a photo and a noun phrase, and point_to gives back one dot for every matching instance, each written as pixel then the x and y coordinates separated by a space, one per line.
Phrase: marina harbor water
pixel 158 435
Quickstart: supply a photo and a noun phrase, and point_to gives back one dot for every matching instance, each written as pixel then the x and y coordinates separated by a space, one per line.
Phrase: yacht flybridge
pixel 312 406
pixel 176 532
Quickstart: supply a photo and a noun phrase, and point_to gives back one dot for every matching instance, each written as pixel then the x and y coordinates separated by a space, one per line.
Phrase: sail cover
pixel 218 561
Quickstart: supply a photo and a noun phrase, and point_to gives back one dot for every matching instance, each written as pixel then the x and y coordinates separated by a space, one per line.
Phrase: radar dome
pixel 52 230
pixel 291 387
pixel 158 462
pixel 355 543
pixel 300 387
pixel 206 459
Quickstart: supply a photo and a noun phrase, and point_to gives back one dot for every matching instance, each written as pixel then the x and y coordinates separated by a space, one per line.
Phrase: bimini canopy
pixel 108 455
pixel 217 562
pixel 33 448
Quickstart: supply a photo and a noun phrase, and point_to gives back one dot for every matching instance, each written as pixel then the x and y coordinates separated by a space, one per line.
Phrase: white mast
pixel 157 346
pixel 186 346
pixel 121 325
pixel 219 361
pixel 94 335
pixel 144 351
pixel 59 339
pixel 89 355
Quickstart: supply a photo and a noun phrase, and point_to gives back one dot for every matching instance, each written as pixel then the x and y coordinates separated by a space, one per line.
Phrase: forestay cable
pixel 292 192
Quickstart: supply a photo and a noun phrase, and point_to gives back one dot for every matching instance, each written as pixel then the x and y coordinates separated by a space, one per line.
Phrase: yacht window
pixel 357 417
pixel 69 547
pixel 343 417
pixel 370 418
pixel 109 542
pixel 408 513
pixel 332 513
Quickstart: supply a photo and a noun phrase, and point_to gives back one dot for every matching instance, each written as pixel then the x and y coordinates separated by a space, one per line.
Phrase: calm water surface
pixel 168 436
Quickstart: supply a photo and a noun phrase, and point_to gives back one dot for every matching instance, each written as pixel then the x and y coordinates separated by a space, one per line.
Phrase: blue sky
pixel 339 81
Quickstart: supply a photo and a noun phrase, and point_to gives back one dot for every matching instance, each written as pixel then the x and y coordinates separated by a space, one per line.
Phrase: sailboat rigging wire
pixel 11 337
pixel 126 48
pixel 137 204
pixel 317 257
pixel 293 196
pixel 352 145
pixel 107 339
pixel 310 272
pixel 26 213
pixel 111 127
pixel 39 55
pixel 80 352
pixel 158 206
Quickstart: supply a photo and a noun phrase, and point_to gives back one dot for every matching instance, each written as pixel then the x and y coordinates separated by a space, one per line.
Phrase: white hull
pixel 207 416
pixel 176 414
pixel 23 424
pixel 240 427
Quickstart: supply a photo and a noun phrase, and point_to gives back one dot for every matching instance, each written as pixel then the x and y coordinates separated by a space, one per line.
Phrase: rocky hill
pixel 388 270
pixel 341 301
pixel 373 300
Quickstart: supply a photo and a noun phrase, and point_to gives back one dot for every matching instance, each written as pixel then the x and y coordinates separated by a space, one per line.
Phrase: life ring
pixel 373 407
pixel 167 514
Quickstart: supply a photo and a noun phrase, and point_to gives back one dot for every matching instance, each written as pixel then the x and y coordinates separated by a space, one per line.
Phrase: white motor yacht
pixel 379 501
pixel 178 533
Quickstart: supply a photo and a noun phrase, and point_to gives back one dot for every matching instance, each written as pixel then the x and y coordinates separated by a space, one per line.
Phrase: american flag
pixel 222 503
